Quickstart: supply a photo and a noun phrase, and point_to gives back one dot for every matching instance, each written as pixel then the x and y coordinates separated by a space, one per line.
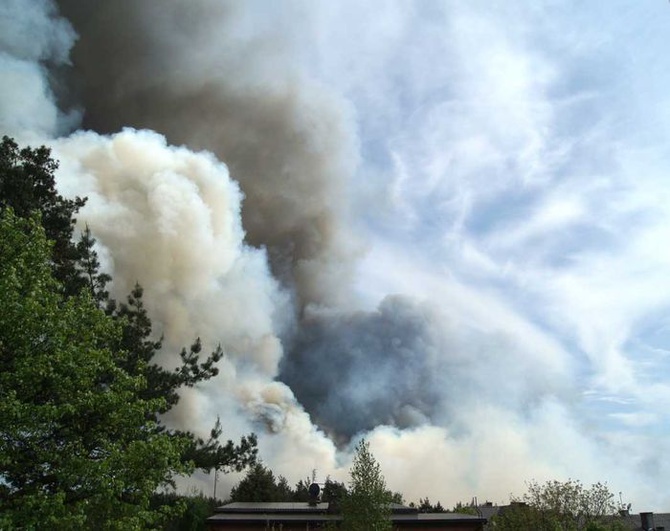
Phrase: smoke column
pixel 170 218
pixel 219 177
pixel 204 75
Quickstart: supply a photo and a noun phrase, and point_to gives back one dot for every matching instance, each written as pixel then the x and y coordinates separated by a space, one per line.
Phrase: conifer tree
pixel 28 192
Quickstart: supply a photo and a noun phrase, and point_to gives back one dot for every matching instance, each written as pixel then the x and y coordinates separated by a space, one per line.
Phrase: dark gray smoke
pixel 408 364
pixel 356 371
pixel 209 75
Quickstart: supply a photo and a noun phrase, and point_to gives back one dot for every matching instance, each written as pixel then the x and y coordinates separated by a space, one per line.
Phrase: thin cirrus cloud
pixel 540 175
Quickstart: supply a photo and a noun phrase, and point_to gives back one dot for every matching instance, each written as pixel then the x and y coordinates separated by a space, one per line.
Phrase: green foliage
pixel 74 449
pixel 27 185
pixel 260 485
pixel 561 506
pixel 82 396
pixel 460 507
pixel 396 497
pixel 367 505
pixel 137 339
pixel 333 492
pixel 212 455
pixel 301 491
pixel 426 507
pixel 88 268
pixel 190 511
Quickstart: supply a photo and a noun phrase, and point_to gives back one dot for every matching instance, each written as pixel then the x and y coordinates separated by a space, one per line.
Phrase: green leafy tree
pixel 332 491
pixel 27 188
pixel 301 490
pixel 196 509
pixel 367 505
pixel 462 508
pixel 74 449
pixel 562 506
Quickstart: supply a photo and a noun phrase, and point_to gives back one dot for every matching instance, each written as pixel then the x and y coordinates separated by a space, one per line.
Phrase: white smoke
pixel 33 38
pixel 289 142
pixel 241 235
pixel 169 219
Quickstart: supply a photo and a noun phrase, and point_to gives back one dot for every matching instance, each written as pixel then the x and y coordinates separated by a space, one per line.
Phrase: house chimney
pixel 647 521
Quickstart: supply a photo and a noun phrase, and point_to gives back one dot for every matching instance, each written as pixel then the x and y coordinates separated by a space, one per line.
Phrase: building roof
pixel 442 517
pixel 488 511
pixel 250 512
pixel 272 507
pixel 661 520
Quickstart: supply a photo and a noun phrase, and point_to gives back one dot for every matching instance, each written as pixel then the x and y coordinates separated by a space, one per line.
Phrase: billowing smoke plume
pixel 203 75
pixel 335 354
pixel 242 236
pixel 170 219
pixel 408 364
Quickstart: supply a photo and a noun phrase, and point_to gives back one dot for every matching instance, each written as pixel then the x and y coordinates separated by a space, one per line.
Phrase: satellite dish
pixel 314 491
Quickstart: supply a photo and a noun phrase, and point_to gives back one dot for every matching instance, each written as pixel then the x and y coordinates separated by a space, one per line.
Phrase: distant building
pixel 647 521
pixel 287 516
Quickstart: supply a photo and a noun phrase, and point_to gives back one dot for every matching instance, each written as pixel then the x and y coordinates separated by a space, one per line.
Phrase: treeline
pixel 82 442
pixel 261 485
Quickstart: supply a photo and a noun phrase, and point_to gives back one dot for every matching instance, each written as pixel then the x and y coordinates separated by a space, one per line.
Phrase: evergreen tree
pixel 212 455
pixel 88 268
pixel 27 188
pixel 333 492
pixel 260 485
pixel 27 185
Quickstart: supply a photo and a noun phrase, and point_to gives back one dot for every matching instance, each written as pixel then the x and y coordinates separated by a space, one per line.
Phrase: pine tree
pixel 27 191
pixel 260 485
pixel 28 185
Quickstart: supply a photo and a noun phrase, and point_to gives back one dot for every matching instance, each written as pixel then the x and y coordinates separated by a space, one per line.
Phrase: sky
pixel 438 225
